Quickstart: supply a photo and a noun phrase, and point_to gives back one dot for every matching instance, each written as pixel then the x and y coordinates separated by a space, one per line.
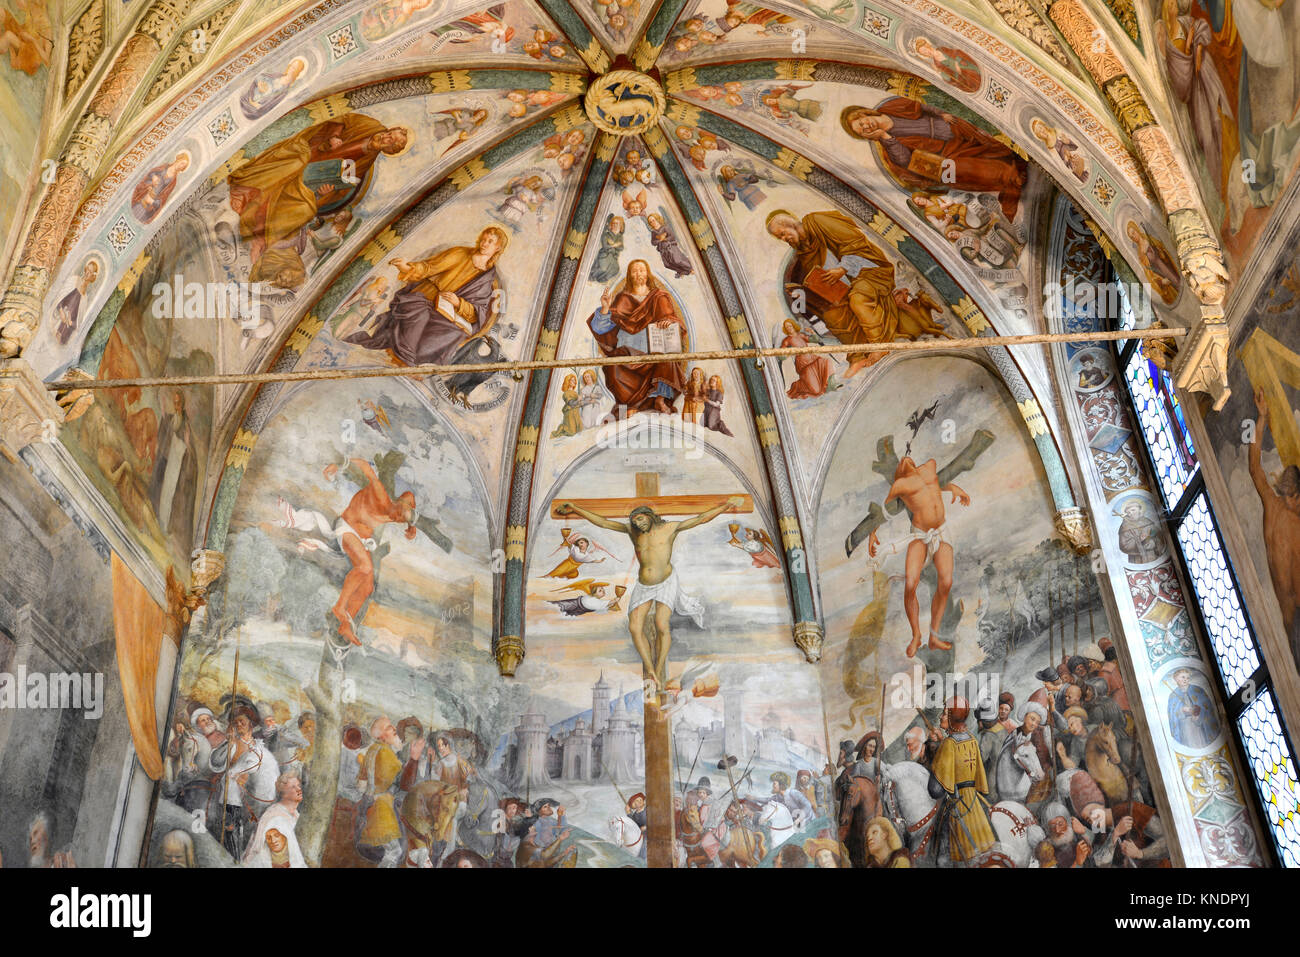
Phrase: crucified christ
pixel 919 489
pixel 657 585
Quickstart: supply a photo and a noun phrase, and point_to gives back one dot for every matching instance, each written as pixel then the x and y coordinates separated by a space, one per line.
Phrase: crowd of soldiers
pixel 1067 755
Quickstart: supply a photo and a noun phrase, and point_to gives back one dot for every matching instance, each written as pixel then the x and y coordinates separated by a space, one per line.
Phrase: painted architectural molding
pixel 20 307
pixel 1202 364
pixel 28 412
pixel 1072 524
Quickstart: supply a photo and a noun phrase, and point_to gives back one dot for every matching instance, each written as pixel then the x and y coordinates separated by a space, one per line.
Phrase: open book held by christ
pixel 661 340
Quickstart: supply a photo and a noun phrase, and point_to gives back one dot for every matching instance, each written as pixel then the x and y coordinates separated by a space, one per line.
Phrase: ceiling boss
pixel 624 102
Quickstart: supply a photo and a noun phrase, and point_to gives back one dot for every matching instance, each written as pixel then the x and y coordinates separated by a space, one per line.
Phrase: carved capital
pixel 88 143
pixel 20 309
pixel 509 652
pixel 1200 256
pixel 1072 525
pixel 809 635
pixel 28 413
pixel 163 19
pixel 206 566
pixel 1202 364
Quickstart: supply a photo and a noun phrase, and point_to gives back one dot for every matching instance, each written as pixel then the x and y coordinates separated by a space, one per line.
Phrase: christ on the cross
pixel 657 586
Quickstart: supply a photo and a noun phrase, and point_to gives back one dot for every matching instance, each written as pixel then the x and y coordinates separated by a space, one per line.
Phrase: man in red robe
pixel 913 141
pixel 621 328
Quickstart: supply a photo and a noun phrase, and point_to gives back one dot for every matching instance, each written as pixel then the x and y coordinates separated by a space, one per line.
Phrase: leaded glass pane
pixel 1127 317
pixel 1275 772
pixel 1220 604
pixel 1163 424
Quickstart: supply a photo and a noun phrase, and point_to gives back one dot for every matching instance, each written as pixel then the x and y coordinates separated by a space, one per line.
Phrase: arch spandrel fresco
pixel 976 522
pixel 523 206
pixel 260 243
pixel 637 220
pixel 841 125
pixel 1243 148
pixel 741 689
pixel 812 389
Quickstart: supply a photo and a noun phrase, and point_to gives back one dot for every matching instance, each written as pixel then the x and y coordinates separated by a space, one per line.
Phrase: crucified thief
pixel 657 585
pixel 918 488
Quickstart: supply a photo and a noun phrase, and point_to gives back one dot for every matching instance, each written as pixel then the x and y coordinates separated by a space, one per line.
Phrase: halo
pixel 410 138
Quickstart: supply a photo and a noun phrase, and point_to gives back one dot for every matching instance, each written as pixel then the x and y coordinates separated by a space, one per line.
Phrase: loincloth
pixel 669 592
pixel 309 520
pixel 932 539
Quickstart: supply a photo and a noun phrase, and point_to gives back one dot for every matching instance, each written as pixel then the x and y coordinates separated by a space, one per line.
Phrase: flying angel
pixel 582 551
pixel 373 415
pixel 590 595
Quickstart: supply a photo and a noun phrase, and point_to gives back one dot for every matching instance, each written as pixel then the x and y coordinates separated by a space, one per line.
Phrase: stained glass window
pixel 1127 317
pixel 1250 702
pixel 1163 425
pixel 1220 604
pixel 1275 773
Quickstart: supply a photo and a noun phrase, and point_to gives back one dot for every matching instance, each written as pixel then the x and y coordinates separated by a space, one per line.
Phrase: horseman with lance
pixel 957 779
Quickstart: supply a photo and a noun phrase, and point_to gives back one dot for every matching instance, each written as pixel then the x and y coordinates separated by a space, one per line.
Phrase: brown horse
pixel 690 832
pixel 857 808
pixel 1101 756
pixel 746 848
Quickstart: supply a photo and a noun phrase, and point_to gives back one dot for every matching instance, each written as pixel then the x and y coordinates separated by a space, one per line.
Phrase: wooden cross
pixel 658 736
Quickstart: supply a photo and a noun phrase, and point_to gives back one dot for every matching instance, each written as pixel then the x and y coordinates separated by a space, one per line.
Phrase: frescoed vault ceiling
pixel 307 200
pixel 451 119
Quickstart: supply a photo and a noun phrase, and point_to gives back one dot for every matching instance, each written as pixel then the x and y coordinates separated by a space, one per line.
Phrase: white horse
pixel 779 820
pixel 1017 769
pixel 626 833
pixel 907 802
pixel 1017 831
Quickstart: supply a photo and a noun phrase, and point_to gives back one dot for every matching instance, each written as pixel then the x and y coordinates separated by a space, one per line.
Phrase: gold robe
pixel 869 313
pixel 381 763
pixel 960 770
pixel 445 271
pixel 274 202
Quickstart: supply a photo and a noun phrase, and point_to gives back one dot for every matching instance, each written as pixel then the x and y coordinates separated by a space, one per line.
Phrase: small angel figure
pixel 582 551
pixel 756 543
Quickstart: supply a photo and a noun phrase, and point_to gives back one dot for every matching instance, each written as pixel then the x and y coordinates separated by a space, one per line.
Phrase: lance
pixel 725 765
pixel 234 692
pixel 880 745
pixel 928 725
pixel 1051 618
pixel 617 791
pixel 1076 616
pixel 691 773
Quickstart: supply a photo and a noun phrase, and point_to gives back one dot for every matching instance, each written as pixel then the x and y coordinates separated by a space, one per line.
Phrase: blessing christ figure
pixel 620 329
pixel 657 585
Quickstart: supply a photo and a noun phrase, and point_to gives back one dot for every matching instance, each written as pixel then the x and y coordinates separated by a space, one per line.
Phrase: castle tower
pixel 600 693
pixel 577 754
pixel 619 747
pixel 733 723
pixel 772 743
pixel 530 758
